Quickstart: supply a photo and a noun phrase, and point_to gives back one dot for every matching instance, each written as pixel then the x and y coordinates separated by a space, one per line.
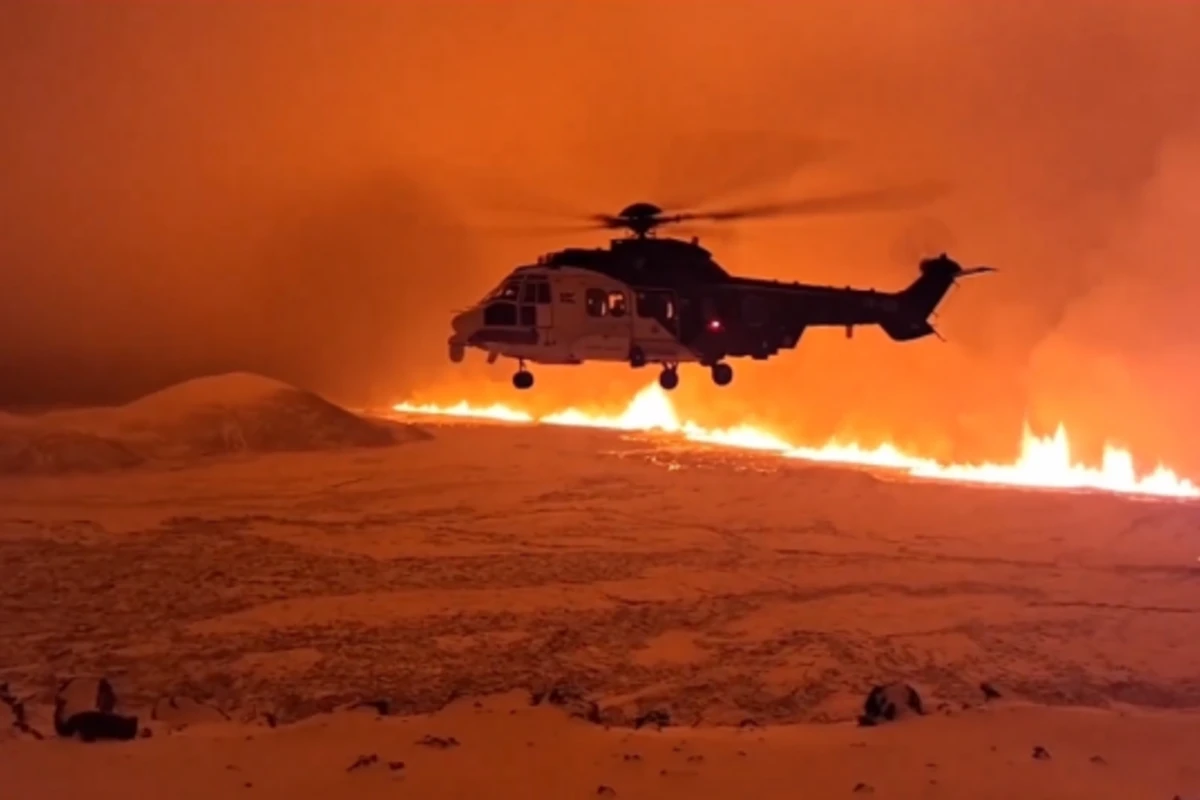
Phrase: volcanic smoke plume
pixel 299 190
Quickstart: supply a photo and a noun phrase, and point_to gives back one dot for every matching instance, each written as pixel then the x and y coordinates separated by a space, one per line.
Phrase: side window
pixel 597 302
pixel 528 316
pixel 536 292
pixel 617 305
pixel 655 305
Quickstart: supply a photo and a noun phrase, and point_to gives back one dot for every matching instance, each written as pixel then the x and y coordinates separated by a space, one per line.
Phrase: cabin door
pixel 656 326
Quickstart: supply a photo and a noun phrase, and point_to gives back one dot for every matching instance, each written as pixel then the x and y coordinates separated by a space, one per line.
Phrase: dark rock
pixel 656 717
pixel 363 761
pixel 606 791
pixel 890 702
pixel 571 700
pixel 864 788
pixel 611 716
pixel 1041 753
pixel 990 692
pixel 695 759
pixel 1099 760
pixel 86 707
pixel 748 723
pixel 91 726
pixel 439 742
pixel 632 757
pixel 395 765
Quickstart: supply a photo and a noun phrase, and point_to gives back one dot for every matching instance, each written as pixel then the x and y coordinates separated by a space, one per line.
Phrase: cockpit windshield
pixel 509 289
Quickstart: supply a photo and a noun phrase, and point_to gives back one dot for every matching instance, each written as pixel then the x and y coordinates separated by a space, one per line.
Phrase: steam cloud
pixel 297 189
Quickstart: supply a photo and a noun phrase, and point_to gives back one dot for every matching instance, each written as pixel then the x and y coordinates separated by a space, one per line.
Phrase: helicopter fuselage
pixel 665 301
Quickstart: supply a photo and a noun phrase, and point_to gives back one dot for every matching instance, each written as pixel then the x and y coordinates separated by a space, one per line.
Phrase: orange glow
pixel 1043 463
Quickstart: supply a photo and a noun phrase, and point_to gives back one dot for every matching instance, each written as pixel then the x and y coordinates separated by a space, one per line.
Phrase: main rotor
pixel 641 219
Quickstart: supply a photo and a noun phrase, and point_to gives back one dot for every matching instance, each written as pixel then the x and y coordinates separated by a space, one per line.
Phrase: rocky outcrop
pixel 87 708
pixel 890 702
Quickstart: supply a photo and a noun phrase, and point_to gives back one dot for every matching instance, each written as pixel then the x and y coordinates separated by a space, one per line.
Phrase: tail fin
pixel 921 298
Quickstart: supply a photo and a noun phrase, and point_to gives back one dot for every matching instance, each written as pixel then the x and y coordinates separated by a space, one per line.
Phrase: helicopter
pixel 648 299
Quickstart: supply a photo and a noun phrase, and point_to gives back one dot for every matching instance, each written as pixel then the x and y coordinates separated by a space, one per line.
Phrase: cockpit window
pixel 500 313
pixel 510 291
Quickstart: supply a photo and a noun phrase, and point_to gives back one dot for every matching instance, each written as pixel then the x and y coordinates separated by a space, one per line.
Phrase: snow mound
pixel 241 413
pixel 34 450
pixel 217 415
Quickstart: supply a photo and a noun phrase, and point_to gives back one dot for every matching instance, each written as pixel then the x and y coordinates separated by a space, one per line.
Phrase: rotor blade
pixel 726 237
pixel 537 230
pixel 607 221
pixel 893 199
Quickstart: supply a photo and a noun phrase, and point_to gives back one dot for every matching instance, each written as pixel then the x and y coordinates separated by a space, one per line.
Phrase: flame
pixel 1045 462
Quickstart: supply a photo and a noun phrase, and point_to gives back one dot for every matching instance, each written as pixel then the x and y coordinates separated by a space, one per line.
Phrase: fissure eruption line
pixel 1044 462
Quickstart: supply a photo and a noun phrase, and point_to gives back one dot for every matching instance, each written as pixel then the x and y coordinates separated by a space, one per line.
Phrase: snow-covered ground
pixel 753 600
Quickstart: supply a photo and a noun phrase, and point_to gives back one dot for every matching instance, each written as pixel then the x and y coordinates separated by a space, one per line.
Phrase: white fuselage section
pixel 569 315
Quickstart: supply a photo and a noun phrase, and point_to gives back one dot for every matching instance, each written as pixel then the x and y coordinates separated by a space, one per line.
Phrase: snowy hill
pixel 217 415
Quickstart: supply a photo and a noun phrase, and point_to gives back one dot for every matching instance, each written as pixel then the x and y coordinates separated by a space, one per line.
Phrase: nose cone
pixel 466 323
pixel 463 325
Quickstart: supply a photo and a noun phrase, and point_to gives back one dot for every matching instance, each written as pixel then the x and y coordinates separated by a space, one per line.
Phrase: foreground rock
pixel 890 702
pixel 86 707
pixel 570 700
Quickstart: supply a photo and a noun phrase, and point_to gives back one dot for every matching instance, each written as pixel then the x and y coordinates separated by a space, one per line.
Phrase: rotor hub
pixel 640 218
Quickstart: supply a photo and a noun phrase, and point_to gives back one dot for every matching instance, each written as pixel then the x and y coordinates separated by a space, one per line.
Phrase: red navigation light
pixel 714 324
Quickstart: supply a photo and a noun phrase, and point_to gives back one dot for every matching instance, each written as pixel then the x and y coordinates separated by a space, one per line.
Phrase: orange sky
pixel 296 188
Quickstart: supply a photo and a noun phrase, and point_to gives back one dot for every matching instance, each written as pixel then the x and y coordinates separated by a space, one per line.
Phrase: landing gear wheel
pixel 523 379
pixel 668 378
pixel 722 374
